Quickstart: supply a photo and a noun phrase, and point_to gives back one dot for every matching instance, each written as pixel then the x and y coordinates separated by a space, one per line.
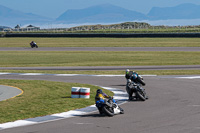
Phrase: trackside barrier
pixel 85 93
pixel 80 92
pixel 75 92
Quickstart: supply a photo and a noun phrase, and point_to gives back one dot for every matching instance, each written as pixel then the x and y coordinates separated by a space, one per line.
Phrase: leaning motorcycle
pixel 33 45
pixel 109 107
pixel 140 93
pixel 136 87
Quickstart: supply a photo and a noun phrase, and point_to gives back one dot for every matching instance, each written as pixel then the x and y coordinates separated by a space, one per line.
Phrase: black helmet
pixel 99 91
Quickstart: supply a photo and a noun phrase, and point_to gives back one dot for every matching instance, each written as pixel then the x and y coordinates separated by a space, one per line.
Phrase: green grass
pixel 85 58
pixel 101 42
pixel 42 98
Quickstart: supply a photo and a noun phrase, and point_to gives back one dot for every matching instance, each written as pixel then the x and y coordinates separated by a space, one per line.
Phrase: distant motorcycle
pixel 110 108
pixel 33 44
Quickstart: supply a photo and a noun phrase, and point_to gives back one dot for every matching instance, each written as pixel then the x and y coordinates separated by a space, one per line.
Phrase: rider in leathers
pixel 131 76
pixel 99 98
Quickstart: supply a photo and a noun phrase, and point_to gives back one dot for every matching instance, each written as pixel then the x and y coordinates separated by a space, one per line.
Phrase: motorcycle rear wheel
pixel 141 81
pixel 141 94
pixel 108 111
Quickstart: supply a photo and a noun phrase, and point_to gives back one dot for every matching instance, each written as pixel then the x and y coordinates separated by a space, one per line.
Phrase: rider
pixel 131 76
pixel 99 99
pixel 33 43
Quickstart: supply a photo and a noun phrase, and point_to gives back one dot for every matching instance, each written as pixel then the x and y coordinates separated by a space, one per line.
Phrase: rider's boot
pixel 100 111
pixel 130 98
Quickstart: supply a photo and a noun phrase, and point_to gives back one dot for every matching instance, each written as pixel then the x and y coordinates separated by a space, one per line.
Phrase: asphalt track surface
pixel 173 107
pixel 8 92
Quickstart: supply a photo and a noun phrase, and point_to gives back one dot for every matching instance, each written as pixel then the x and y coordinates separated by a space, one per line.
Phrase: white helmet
pixel 127 71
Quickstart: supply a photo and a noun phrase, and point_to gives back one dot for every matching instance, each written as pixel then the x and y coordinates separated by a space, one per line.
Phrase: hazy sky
pixel 54 8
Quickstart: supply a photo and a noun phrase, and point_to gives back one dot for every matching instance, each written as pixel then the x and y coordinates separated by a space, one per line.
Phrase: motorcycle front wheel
pixel 121 110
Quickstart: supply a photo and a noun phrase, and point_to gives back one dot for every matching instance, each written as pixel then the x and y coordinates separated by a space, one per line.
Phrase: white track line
pixel 192 77
pixel 68 75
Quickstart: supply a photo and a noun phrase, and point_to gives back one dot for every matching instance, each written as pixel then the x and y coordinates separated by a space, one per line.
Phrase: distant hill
pixel 183 11
pixel 105 13
pixel 12 17
pixel 126 25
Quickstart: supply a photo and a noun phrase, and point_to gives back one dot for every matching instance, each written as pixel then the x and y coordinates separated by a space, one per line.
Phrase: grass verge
pixel 96 58
pixel 101 42
pixel 42 98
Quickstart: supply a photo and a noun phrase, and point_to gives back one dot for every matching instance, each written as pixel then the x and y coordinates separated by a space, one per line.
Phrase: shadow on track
pixel 93 115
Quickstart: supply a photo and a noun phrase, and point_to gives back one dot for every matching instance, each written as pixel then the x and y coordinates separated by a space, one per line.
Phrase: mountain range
pixel 10 17
pixel 183 11
pixel 105 13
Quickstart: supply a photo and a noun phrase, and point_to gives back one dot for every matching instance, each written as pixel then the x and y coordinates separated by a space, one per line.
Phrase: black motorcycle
pixel 33 45
pixel 136 87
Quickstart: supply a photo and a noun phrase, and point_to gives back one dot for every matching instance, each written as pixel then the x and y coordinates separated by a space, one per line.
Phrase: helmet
pixel 127 71
pixel 99 91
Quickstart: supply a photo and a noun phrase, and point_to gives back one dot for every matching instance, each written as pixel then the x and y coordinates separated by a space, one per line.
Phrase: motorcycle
pixel 109 107
pixel 136 87
pixel 33 45
pixel 138 79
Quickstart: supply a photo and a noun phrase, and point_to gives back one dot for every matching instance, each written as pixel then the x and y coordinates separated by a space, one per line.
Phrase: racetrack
pixel 173 107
